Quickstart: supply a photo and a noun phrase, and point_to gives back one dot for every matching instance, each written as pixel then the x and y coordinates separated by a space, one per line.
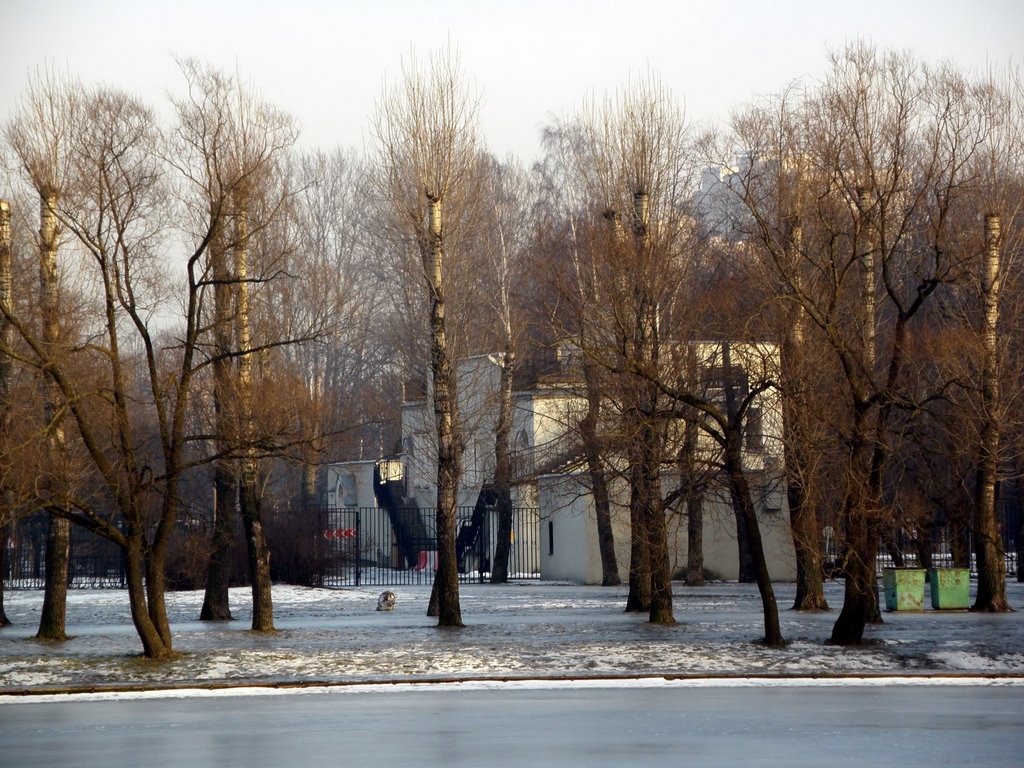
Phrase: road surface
pixel 619 725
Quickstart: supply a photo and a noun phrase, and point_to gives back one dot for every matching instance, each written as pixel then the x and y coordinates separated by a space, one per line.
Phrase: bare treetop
pixel 39 134
pixel 636 142
pixel 427 132
pixel 229 141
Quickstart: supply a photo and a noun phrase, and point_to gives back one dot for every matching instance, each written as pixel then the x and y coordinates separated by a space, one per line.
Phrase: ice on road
pixel 668 723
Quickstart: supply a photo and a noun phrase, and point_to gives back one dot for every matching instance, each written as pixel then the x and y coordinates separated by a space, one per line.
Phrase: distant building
pixel 549 472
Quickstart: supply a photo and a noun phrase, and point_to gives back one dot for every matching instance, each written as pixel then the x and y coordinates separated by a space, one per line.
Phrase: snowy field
pixel 519 631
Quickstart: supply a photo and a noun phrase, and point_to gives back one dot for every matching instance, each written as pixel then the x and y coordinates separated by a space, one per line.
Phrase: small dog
pixel 386 601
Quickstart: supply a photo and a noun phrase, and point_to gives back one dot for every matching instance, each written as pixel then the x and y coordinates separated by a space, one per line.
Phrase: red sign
pixel 340 533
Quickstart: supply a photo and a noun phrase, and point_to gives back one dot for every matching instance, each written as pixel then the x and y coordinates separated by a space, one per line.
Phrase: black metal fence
pixel 933 548
pixel 398 546
pixel 95 563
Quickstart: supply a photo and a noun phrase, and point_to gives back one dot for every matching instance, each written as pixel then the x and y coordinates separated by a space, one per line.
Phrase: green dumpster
pixel 904 589
pixel 951 588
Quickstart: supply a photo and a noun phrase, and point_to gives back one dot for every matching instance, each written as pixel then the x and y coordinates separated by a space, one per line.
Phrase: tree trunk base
pixel 992 606
pixel 635 604
pixel 811 604
pixel 51 637
pixel 209 613
pixel 663 617
pixel 849 627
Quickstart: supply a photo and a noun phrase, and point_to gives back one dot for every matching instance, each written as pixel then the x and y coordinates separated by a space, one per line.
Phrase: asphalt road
pixel 563 726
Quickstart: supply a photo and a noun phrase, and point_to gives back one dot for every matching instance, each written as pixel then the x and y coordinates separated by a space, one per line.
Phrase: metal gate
pixel 398 546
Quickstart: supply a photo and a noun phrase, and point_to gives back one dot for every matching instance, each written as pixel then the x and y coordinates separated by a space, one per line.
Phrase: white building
pixel 569 540
pixel 549 474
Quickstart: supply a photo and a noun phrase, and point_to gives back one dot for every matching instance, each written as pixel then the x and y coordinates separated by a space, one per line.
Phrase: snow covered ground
pixel 523 630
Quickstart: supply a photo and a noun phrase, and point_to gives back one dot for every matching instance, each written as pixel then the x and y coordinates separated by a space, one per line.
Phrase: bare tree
pixel 876 171
pixel 426 132
pixel 39 139
pixel 991 563
pixel 506 235
pixel 6 379
pixel 110 191
pixel 566 233
pixel 127 393
pixel 230 146
pixel 1001 168
pixel 216 605
pixel 631 156
pixel 771 131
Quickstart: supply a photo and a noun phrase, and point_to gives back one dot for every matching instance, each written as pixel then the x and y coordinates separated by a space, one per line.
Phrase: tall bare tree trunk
pixel 694 537
pixel 650 451
pixel 858 558
pixel 988 539
pixel 503 467
pixel 810 580
pixel 865 202
pixel 249 492
pixel 58 538
pixel 863 496
pixel 5 528
pixel 741 495
pixel 693 483
pixel 657 531
pixel 6 376
pixel 216 603
pixel 638 599
pixel 637 413
pixel 444 600
pixel 747 567
pixel 810 587
pixel 589 434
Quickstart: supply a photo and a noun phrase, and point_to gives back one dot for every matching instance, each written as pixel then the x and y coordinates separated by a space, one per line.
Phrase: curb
pixel 283 685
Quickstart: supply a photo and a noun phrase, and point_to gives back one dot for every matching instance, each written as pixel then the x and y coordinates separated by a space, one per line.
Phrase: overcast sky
pixel 325 61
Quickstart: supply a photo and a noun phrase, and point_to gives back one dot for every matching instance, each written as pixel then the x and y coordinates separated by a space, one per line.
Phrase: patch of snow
pixel 518 630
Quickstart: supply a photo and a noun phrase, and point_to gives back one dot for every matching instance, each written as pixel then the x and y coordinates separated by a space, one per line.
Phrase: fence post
pixel 358 545
pixel 482 547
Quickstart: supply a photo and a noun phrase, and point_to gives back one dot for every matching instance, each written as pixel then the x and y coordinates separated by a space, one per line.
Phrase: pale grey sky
pixel 325 61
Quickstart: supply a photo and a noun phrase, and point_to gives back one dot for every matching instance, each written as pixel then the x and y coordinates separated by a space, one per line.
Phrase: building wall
pixel 542 439
pixel 477 381
pixel 540 422
pixel 565 530
pixel 567 510
pixel 350 484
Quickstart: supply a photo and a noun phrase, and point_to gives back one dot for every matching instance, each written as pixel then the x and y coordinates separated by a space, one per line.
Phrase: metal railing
pixel 94 563
pixel 932 548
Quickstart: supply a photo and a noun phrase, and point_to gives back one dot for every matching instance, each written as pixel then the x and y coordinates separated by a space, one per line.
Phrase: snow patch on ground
pixel 518 630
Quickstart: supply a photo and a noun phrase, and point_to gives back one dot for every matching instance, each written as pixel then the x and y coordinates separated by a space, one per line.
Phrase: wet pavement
pixel 567 726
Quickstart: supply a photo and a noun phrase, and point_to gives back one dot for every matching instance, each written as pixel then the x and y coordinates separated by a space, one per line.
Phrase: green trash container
pixel 951 588
pixel 904 589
